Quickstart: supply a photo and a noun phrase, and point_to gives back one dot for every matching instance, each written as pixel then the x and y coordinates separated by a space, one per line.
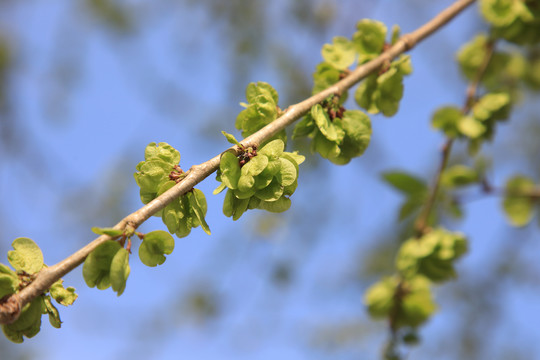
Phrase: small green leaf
pixel 230 138
pixel 228 203
pixel 328 149
pixel 201 200
pixel 518 206
pixel 151 174
pixel 272 168
pixel 8 285
pixel 230 170
pixel 471 55
pixel 418 304
pixel 197 207
pixel 240 206
pixel 396 33
pixel 304 127
pixel 253 203
pixel 369 39
pixel 403 64
pixel 270 193
pixel 97 266
pixel 171 215
pixel 379 298
pixel 27 256
pixel 262 181
pixel 54 315
pixel 112 232
pixel 12 335
pixel 9 281
pixel 246 183
pixel 219 189
pixel 155 246
pixel 28 324
pixel 389 91
pixel 411 206
pixel 162 151
pixel 324 124
pixel 63 296
pixel 290 189
pixel 325 76
pixel 365 94
pixel 120 270
pixel 446 119
pixel 253 90
pixel 406 183
pixel 280 205
pixel 294 157
pixel 502 13
pixel 232 206
pixel 340 54
pixel 255 166
pixel 6 270
pixel 357 127
pixel 273 149
pixel 287 173
pixel 184 226
pixel 493 106
pixel 382 93
pixel 471 127
pixel 244 194
pixel 458 176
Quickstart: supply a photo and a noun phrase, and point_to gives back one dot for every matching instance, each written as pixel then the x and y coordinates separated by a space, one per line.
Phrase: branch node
pixel 409 41
pixel 10 309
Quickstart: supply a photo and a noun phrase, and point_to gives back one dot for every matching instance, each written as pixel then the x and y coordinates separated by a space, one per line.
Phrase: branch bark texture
pixel 10 308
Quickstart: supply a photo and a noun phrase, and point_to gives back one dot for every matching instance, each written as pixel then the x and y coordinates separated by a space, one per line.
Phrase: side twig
pixel 10 308
pixel 421 225
pixel 422 222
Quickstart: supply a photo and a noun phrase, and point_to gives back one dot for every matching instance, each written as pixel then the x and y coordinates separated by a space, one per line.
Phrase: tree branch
pixel 10 307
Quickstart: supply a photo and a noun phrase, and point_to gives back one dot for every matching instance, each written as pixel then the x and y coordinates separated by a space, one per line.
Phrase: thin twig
pixel 10 307
pixel 421 223
pixel 533 194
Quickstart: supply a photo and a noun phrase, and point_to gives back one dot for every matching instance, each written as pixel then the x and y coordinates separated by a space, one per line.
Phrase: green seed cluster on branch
pixel 108 265
pixel 158 173
pixel 515 21
pixel 339 134
pixel 261 109
pixel 27 260
pixel 518 201
pixel 505 71
pixel 383 92
pixel 408 302
pixel 406 298
pixel 257 179
pixel 432 255
pixel 478 125
pixel 379 92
